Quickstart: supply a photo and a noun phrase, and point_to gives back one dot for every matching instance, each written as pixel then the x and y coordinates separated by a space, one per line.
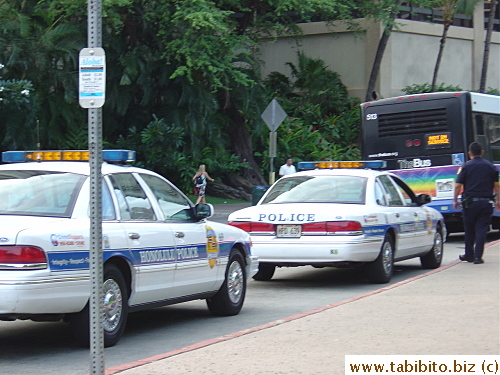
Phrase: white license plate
pixel 288 231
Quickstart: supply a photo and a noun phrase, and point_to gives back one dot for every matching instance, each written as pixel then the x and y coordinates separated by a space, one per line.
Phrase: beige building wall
pixel 409 58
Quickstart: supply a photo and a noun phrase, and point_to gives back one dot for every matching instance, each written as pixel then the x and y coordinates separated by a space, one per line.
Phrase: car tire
pixel 115 305
pixel 380 271
pixel 231 295
pixel 265 272
pixel 434 257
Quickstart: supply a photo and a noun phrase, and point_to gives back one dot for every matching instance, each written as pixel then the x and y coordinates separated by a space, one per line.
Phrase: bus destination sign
pixel 441 140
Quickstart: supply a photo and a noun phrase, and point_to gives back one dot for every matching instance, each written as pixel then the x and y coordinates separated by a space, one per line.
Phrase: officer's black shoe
pixel 465 258
pixel 478 261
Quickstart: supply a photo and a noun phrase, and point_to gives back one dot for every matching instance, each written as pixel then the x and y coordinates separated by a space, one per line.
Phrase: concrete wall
pixel 409 58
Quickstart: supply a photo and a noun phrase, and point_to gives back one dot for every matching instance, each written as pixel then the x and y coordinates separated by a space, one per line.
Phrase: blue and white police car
pixel 329 215
pixel 158 248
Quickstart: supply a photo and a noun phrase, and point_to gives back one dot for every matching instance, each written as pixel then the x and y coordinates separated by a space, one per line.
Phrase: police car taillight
pixel 22 257
pixel 250 227
pixel 333 227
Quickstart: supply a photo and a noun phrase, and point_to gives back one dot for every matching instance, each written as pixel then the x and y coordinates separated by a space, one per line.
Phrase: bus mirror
pixel 423 199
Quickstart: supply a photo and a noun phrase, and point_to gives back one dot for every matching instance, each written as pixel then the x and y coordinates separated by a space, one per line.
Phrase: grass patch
pixel 216 200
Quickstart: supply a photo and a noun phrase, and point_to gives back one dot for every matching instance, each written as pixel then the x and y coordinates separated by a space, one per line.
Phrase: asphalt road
pixel 47 348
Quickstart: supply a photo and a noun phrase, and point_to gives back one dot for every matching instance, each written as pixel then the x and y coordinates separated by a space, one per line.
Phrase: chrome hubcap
pixel 438 246
pixel 235 282
pixel 387 257
pixel 112 305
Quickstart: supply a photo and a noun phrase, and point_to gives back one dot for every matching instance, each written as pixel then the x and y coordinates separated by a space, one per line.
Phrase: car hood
pixel 298 212
pixel 11 226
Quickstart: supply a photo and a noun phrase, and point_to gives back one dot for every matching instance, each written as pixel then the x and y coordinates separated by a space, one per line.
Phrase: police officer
pixel 479 179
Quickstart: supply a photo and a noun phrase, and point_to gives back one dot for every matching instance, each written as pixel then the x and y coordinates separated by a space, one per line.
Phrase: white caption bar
pixel 422 364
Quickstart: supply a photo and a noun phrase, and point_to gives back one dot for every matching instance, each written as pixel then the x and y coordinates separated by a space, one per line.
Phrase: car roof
pixel 338 172
pixel 78 167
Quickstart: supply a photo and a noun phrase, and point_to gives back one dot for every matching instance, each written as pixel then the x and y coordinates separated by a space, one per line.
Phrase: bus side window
pixel 494 136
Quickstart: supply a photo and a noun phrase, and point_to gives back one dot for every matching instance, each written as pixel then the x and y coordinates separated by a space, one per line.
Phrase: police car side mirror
pixel 423 199
pixel 203 210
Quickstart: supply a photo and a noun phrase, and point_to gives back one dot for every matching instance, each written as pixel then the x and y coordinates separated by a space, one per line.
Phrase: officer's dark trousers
pixel 477 220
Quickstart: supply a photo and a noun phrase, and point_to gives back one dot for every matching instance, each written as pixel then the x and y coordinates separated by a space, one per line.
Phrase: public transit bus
pixel 424 139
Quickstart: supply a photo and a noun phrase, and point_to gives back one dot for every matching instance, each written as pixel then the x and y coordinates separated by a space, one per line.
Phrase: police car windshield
pixel 38 193
pixel 318 189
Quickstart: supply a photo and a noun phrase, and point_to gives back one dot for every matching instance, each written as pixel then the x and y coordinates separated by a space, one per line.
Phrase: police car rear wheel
pixel 380 271
pixel 229 299
pixel 434 257
pixel 265 272
pixel 115 309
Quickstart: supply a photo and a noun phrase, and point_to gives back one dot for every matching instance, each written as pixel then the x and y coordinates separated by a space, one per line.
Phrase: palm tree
pixel 384 39
pixel 449 8
pixel 487 42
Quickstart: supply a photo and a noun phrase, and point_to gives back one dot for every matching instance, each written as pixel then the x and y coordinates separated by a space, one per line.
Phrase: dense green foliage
pixel 426 87
pixel 183 84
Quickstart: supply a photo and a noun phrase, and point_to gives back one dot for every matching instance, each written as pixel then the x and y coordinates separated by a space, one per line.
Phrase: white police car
pixel 342 217
pixel 158 248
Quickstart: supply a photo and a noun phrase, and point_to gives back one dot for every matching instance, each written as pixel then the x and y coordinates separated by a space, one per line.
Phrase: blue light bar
pixel 118 155
pixel 66 155
pixel 372 164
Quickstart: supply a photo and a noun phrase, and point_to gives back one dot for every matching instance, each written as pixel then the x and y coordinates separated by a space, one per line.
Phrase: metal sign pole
pixel 94 40
pixel 273 116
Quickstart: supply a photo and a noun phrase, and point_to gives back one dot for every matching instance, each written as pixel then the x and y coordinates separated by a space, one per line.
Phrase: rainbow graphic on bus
pixel 438 182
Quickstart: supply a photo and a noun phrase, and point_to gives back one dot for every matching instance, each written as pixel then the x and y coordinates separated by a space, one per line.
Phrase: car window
pixel 108 209
pixel 39 193
pixel 406 192
pixel 132 200
pixel 391 192
pixel 327 189
pixel 380 195
pixel 173 204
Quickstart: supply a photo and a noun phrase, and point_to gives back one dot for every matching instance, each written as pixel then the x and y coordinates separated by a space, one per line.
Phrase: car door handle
pixel 415 214
pixel 179 234
pixel 397 215
pixel 134 236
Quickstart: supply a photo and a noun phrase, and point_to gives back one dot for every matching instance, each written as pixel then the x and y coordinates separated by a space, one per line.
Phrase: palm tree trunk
pixel 487 43
pixel 377 62
pixel 241 142
pixel 440 55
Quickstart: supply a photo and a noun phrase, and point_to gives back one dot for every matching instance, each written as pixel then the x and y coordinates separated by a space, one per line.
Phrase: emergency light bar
pixel 67 155
pixel 373 164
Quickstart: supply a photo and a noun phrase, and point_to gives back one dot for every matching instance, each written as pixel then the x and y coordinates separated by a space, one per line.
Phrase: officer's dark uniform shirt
pixel 478 176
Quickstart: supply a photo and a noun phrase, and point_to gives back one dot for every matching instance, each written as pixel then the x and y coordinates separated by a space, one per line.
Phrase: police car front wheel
pixel 434 257
pixel 229 299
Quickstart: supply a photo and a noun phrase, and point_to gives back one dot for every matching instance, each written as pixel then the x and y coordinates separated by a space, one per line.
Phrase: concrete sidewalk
pixel 453 310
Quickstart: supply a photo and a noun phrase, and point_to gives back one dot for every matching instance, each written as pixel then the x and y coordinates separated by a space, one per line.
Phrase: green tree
pixel 487 44
pixel 449 8
pixel 191 63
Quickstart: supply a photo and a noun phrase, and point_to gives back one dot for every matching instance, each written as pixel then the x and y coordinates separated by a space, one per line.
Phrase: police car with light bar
pixel 338 214
pixel 158 248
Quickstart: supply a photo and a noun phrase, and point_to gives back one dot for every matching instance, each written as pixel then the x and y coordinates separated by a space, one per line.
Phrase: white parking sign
pixel 92 77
